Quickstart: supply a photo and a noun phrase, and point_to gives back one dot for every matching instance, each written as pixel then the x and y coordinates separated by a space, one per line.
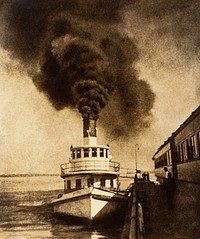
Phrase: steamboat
pixel 91 181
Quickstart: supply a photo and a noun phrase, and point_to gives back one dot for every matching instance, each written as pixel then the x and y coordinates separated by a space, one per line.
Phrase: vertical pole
pixel 136 149
pixel 136 208
pixel 136 200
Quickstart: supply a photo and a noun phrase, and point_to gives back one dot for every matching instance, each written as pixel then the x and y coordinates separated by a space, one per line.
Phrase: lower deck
pixel 80 181
pixel 90 203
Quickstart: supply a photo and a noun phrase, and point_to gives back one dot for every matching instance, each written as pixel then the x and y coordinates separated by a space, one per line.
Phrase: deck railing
pixel 89 165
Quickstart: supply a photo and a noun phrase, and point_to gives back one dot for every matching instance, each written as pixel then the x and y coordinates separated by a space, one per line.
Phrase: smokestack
pixel 89 131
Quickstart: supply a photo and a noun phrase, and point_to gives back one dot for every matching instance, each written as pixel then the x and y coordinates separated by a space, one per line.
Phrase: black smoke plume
pixel 85 61
pixel 74 74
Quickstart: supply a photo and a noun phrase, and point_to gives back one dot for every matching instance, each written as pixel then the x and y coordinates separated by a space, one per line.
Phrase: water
pixel 23 217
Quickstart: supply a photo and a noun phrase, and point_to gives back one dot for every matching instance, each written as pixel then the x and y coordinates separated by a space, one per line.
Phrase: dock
pixel 150 217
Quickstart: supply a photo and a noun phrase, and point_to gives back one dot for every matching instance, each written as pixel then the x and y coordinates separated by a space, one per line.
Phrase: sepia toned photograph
pixel 99 119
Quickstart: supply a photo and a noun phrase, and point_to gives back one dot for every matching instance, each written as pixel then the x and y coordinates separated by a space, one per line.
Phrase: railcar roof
pixel 193 115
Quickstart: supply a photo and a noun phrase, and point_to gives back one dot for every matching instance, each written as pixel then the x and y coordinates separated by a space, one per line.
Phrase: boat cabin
pixel 90 166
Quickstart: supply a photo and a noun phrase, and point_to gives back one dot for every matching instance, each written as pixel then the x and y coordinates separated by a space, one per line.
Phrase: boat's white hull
pixel 91 203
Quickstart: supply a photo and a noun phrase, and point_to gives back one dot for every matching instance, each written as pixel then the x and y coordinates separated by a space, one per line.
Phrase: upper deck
pixel 90 166
pixel 90 159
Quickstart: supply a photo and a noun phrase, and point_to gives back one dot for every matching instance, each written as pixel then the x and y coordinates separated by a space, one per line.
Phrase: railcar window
pixel 194 145
pixel 190 148
pixel 169 159
pixel 178 153
pixel 198 140
pixel 184 150
pixel 181 152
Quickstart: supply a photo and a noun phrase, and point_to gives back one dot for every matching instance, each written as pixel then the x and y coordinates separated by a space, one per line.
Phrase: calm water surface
pixel 22 217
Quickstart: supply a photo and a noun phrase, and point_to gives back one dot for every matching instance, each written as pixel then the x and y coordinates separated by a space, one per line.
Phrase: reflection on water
pixel 22 218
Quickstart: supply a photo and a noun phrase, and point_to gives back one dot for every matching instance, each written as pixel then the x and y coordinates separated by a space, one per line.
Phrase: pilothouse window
pixel 73 154
pixel 106 153
pixel 101 152
pixel 86 153
pixel 94 152
pixel 78 153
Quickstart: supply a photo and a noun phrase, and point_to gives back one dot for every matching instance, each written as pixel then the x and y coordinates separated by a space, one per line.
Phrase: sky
pixel 148 51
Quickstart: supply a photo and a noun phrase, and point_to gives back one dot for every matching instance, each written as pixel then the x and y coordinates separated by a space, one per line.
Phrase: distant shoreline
pixel 25 175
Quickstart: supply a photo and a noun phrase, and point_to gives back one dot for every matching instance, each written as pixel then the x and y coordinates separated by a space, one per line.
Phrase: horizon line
pixel 29 174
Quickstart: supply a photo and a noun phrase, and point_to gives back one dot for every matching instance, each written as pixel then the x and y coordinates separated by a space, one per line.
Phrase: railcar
pixel 163 159
pixel 181 152
pixel 187 148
